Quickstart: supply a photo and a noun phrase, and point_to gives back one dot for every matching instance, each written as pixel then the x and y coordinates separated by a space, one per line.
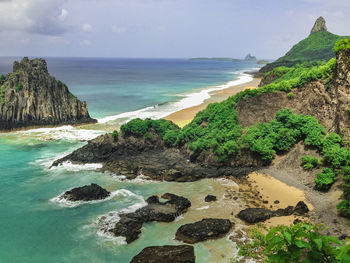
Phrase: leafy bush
pixel 136 127
pixel 290 95
pixel 19 86
pixel 325 179
pixel 2 79
pixel 310 162
pixel 343 44
pixel 295 243
pixel 115 136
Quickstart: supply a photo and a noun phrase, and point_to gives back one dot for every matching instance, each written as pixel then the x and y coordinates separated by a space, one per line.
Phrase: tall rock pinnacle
pixel 320 25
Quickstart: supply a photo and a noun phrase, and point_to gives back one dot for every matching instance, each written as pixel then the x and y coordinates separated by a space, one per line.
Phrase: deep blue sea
pixel 37 227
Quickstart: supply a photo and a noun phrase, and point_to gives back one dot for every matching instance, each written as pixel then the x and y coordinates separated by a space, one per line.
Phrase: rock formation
pixel 210 198
pixel 30 96
pixel 209 228
pixel 130 224
pixel 249 57
pixel 86 193
pixel 320 25
pixel 166 254
pixel 256 215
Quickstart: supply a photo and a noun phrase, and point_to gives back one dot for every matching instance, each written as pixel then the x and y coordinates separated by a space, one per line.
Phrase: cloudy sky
pixel 162 28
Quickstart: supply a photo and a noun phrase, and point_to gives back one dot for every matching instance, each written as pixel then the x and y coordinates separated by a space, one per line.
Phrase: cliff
pixel 30 96
pixel 329 103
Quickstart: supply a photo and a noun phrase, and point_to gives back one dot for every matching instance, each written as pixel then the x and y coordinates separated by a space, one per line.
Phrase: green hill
pixel 317 46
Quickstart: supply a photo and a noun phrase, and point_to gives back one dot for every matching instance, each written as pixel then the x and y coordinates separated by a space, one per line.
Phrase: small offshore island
pixel 282 145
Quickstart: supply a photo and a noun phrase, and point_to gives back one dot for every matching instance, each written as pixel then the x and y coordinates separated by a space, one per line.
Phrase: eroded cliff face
pixel 30 96
pixel 329 103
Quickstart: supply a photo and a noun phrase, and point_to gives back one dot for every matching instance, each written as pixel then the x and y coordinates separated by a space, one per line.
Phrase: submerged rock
pixel 210 228
pixel 86 193
pixel 130 224
pixel 256 215
pixel 166 254
pixel 30 96
pixel 210 198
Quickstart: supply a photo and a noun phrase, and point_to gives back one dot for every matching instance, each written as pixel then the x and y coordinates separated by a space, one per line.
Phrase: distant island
pixel 248 57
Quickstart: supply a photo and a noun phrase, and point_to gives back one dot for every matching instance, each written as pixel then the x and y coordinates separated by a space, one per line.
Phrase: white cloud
pixel 58 40
pixel 119 29
pixel 87 28
pixel 34 16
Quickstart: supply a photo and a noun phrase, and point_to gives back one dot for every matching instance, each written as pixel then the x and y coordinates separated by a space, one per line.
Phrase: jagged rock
pixel 249 57
pixel 320 25
pixel 166 254
pixel 256 215
pixel 210 198
pixel 209 228
pixel 131 156
pixel 86 193
pixel 130 224
pixel 31 97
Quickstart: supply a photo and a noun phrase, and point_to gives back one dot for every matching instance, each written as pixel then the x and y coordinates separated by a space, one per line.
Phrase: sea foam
pixel 189 100
pixel 63 202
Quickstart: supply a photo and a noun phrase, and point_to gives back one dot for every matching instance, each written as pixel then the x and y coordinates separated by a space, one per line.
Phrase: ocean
pixel 38 227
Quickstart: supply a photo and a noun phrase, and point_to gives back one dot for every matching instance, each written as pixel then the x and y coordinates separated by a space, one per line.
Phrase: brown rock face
pixel 328 103
pixel 30 96
pixel 320 25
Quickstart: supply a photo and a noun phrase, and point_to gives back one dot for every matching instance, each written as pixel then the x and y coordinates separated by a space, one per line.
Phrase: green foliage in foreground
pixel 299 243
pixel 2 79
pixel 343 44
pixel 19 86
pixel 115 136
pixel 310 162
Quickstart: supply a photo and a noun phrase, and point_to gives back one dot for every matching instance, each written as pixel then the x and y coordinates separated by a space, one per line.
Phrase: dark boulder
pixel 210 228
pixel 256 215
pixel 86 193
pixel 166 254
pixel 210 198
pixel 129 225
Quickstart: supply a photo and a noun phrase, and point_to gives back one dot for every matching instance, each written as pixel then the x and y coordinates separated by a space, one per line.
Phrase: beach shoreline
pixel 185 116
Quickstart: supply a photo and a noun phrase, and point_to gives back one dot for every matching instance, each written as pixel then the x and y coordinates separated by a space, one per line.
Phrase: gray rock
pixel 320 25
pixel 30 96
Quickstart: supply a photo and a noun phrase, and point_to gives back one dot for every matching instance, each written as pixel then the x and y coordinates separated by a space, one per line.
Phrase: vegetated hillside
pixel 317 46
pixel 30 96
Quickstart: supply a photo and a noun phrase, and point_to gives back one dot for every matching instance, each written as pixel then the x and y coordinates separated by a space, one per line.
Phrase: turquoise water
pixel 35 229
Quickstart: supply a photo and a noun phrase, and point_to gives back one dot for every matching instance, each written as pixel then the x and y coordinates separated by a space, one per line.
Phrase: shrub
pixel 325 179
pixel 290 95
pixel 342 44
pixel 295 243
pixel 136 127
pixel 310 162
pixel 115 136
pixel 2 79
pixel 19 86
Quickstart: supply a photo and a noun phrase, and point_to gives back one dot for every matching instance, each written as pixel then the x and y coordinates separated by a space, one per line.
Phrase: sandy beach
pixel 185 116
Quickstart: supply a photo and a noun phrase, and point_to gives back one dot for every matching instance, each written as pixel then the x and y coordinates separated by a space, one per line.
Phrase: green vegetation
pixel 325 179
pixel 318 46
pixel 2 79
pixel 290 95
pixel 310 162
pixel 295 243
pixel 19 86
pixel 343 44
pixel 115 136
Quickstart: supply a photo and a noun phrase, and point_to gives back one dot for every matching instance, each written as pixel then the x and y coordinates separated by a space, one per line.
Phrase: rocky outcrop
pixel 86 193
pixel 210 198
pixel 131 156
pixel 256 215
pixel 329 103
pixel 249 57
pixel 210 228
pixel 166 254
pixel 130 224
pixel 320 25
pixel 30 96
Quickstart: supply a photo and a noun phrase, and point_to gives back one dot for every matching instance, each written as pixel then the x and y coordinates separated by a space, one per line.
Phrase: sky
pixel 163 28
